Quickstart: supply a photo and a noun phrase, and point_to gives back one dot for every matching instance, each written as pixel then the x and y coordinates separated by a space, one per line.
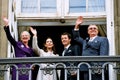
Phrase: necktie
pixel 65 49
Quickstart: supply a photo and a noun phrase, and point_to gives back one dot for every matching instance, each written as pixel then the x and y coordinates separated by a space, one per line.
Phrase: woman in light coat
pixel 47 51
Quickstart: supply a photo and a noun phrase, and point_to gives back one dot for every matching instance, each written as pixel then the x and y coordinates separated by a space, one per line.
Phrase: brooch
pixel 22 46
pixel 96 41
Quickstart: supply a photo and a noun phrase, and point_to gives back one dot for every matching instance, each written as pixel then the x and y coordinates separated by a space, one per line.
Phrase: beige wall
pixel 117 26
pixel 3 41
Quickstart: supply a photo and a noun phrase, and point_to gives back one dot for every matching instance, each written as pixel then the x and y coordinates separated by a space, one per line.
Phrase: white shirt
pixel 65 49
pixel 92 38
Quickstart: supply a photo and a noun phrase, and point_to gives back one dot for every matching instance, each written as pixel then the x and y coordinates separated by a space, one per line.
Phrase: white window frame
pixel 62 11
pixel 83 13
pixel 38 15
pixel 111 35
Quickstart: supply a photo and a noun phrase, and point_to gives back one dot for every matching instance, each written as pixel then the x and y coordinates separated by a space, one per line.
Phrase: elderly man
pixel 94 45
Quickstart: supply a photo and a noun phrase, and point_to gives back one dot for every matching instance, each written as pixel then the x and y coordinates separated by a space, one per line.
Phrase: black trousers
pixel 69 77
pixel 85 76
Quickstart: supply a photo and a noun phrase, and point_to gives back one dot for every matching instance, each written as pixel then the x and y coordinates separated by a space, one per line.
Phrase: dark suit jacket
pixel 71 51
pixel 98 47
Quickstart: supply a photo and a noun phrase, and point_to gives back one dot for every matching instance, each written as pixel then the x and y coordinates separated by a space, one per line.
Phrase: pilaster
pixel 3 39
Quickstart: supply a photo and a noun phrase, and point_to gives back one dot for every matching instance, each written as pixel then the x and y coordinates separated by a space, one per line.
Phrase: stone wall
pixel 3 40
pixel 117 28
pixel 117 25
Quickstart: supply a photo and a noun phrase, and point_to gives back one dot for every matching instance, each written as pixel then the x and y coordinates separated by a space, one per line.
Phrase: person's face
pixel 65 40
pixel 25 36
pixel 49 43
pixel 93 30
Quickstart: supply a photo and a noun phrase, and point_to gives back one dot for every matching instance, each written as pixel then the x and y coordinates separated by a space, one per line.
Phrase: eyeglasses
pixel 92 28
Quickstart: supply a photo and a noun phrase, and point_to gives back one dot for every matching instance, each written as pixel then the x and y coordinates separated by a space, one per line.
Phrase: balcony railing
pixel 112 63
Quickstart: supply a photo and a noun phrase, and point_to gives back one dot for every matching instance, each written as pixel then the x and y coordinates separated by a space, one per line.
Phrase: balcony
pixel 112 63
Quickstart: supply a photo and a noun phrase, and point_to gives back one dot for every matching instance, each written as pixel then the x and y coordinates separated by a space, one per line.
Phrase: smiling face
pixel 93 30
pixel 65 40
pixel 49 43
pixel 25 37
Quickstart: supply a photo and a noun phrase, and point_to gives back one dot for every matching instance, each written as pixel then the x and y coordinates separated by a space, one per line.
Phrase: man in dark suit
pixel 69 50
pixel 94 45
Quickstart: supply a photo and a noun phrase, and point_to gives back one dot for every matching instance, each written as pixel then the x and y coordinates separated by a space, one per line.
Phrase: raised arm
pixel 8 34
pixel 6 22
pixel 34 32
pixel 35 46
pixel 79 21
pixel 76 34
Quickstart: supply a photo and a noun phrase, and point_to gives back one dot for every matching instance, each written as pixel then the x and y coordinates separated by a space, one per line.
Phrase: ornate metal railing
pixel 96 65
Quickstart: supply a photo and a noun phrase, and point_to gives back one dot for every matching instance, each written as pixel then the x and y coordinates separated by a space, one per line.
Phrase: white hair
pixel 25 32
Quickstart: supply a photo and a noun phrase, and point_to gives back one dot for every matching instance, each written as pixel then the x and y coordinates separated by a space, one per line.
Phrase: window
pixel 36 6
pixel 48 6
pixel 60 8
pixel 86 6
pixel 29 6
pixel 77 6
pixel 96 6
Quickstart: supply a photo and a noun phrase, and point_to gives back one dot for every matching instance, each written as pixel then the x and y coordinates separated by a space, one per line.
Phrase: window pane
pixel 48 6
pixel 29 6
pixel 77 6
pixel 83 6
pixel 96 5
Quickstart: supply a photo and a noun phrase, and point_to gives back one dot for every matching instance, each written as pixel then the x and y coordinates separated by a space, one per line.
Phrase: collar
pixel 67 46
pixel 92 38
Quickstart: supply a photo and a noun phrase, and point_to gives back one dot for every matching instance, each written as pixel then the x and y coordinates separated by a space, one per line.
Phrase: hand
pixel 33 31
pixel 5 21
pixel 78 22
pixel 73 73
